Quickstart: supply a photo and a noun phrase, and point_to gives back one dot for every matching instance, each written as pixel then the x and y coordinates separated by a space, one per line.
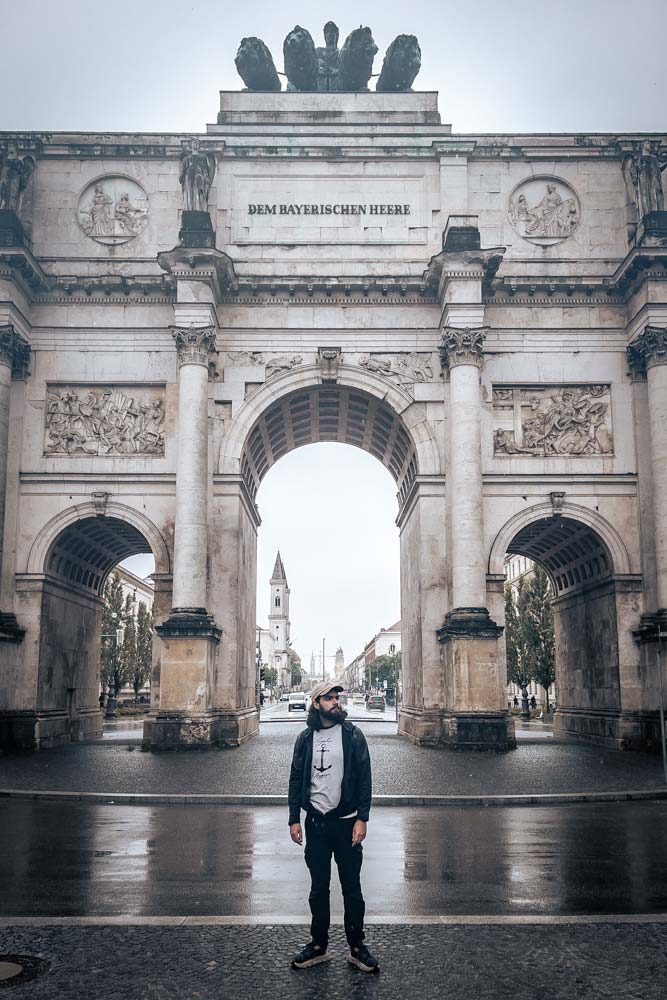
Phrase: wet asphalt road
pixel 80 860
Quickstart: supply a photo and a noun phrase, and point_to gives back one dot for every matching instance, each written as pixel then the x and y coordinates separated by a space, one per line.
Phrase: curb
pixel 159 798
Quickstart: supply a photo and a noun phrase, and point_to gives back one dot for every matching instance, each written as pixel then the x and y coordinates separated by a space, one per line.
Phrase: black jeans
pixel 325 837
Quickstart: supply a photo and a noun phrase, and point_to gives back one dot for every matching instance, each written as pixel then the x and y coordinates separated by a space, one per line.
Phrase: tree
pixel 296 673
pixel 144 649
pixel 518 636
pixel 541 630
pixel 383 668
pixel 270 677
pixel 113 668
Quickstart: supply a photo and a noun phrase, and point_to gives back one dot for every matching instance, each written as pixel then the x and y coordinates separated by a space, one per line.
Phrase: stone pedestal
pixel 185 719
pixel 196 230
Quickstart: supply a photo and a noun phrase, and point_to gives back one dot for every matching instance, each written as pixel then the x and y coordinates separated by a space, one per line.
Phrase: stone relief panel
pixel 98 420
pixel 569 420
pixel 544 210
pixel 406 369
pixel 113 210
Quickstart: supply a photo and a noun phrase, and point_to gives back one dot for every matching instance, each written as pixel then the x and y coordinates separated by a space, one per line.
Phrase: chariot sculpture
pixel 327 68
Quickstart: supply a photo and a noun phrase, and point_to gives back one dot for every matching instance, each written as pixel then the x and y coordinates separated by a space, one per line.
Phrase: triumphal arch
pixel 485 314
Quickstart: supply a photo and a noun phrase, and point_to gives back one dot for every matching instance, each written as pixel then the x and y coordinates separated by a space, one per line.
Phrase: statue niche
pixel 402 62
pixel 255 66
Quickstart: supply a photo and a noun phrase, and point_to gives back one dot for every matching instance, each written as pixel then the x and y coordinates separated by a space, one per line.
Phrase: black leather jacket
pixel 355 791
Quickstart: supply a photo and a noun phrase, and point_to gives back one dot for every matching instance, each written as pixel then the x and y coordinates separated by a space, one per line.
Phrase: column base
pixel 180 731
pixel 469 623
pixel 477 731
pixel 10 630
pixel 652 625
pixel 29 730
pixel 615 730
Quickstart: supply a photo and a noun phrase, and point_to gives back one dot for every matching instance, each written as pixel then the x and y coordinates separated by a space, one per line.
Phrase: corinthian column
pixel 650 349
pixel 14 350
pixel 191 526
pixel 461 352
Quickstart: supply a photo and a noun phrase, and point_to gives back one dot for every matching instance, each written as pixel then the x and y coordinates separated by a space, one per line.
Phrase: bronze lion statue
pixel 402 62
pixel 356 60
pixel 255 65
pixel 300 60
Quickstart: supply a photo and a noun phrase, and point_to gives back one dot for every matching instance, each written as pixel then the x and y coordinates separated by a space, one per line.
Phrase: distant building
pixel 138 590
pixel 517 568
pixel 386 642
pixel 339 663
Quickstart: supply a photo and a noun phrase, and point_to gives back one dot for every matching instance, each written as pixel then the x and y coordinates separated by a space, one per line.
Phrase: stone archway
pixel 596 605
pixel 368 413
pixel 54 698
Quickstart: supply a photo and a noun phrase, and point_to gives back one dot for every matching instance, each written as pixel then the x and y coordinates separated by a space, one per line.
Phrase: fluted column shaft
pixel 462 355
pixel 12 348
pixel 651 350
pixel 191 524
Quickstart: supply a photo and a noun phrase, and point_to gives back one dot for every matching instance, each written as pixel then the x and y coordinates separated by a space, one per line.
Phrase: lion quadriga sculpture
pixel 356 59
pixel 255 65
pixel 402 62
pixel 300 60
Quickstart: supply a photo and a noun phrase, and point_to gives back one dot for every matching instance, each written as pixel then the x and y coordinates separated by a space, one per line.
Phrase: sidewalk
pixel 460 961
pixel 260 767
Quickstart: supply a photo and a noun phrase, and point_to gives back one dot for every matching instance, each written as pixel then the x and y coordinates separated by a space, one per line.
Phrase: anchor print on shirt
pixel 322 750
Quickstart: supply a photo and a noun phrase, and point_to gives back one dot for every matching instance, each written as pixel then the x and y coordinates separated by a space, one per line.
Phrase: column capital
pixel 14 349
pixel 649 349
pixel 194 344
pixel 462 346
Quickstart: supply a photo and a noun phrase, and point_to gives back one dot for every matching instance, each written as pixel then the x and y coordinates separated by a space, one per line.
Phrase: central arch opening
pixel 331 514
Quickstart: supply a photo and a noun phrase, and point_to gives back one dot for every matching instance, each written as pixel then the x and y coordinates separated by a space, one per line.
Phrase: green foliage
pixel 542 631
pixel 113 668
pixel 144 649
pixel 270 677
pixel 383 668
pixel 529 632
pixel 296 671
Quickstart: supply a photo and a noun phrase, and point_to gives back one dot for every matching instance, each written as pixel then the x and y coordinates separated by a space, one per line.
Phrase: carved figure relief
pixel 568 420
pixel 196 173
pixel 544 210
pixel 245 359
pixel 113 210
pixel 282 363
pixel 82 420
pixel 406 369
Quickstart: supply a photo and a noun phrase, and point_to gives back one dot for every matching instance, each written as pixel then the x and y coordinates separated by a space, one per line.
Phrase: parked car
pixel 285 696
pixel 358 699
pixel 376 702
pixel 297 700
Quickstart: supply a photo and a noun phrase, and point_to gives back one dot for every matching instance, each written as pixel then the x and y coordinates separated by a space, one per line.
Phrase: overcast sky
pixel 499 65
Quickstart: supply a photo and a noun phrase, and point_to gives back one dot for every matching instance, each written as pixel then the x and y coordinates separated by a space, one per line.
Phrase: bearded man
pixel 330 779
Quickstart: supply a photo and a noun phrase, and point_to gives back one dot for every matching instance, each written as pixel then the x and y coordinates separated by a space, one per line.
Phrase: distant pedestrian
pixel 533 703
pixel 516 701
pixel 336 797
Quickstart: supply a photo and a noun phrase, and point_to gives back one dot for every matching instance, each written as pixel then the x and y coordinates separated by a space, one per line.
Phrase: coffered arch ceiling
pixel 329 413
pixel 572 553
pixel 85 552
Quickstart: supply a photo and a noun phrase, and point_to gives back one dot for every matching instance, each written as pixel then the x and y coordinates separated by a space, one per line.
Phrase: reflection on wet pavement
pixel 75 859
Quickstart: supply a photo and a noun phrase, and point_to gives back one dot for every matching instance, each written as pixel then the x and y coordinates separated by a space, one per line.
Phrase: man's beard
pixel 335 714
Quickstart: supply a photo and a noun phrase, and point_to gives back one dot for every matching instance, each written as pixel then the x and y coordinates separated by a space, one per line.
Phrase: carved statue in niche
pixel 300 58
pixel 643 183
pixel 572 420
pixel 255 66
pixel 328 60
pixel 196 174
pixel 14 176
pixel 282 363
pixel 553 217
pixel 103 422
pixel 406 369
pixel 402 62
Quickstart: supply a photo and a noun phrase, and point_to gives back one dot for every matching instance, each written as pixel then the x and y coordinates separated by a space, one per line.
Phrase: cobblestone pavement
pixel 261 766
pixel 482 962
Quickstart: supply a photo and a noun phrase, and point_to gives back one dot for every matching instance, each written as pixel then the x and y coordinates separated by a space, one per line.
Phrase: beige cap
pixel 324 687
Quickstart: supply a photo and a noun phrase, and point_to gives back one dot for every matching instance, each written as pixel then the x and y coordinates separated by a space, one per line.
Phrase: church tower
pixel 279 623
pixel 339 667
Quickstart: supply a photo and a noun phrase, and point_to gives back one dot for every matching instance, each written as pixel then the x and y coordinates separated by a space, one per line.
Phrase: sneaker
pixel 312 954
pixel 362 958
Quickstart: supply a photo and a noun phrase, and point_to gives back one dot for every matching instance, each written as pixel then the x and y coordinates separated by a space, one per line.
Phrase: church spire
pixel 278 575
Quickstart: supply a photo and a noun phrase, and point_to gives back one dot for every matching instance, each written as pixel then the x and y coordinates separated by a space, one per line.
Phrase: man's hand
pixel 296 833
pixel 358 832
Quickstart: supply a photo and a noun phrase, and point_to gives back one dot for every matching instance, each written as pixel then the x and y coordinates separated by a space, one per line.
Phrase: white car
pixel 297 700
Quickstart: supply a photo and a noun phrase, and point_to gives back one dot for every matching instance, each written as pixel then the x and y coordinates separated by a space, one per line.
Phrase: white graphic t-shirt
pixel 326 773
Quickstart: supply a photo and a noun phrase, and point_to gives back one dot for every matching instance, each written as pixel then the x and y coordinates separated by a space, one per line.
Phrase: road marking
pixel 267 920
